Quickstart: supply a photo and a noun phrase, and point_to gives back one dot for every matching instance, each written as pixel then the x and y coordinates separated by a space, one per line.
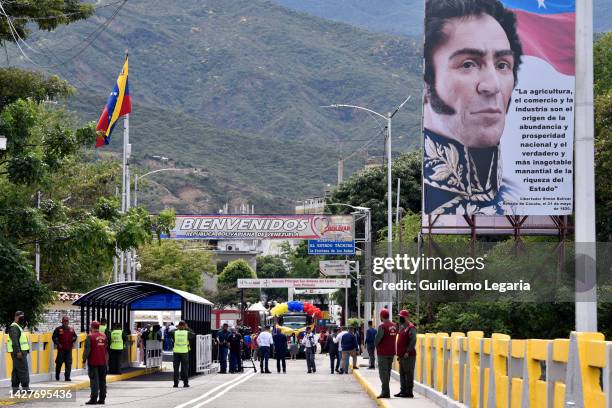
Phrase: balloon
pixel 283 308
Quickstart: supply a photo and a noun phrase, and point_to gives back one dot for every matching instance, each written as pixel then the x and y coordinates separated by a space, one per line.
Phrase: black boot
pixel 91 402
pixel 185 384
pixel 101 401
pixel 175 385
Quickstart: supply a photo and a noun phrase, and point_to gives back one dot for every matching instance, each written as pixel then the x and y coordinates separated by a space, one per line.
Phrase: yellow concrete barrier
pixel 440 349
pixel 473 356
pixel 592 357
pixel 500 351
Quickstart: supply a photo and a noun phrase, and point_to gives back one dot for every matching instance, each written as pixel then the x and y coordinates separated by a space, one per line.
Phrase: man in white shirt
pixel 264 341
pixel 338 340
pixel 310 349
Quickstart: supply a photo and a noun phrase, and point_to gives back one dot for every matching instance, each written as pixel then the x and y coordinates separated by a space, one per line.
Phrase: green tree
pixel 167 263
pixel 603 135
pixel 238 269
pixel 46 15
pixel 21 84
pixel 20 290
pixel 77 233
pixel 269 267
pixel 368 188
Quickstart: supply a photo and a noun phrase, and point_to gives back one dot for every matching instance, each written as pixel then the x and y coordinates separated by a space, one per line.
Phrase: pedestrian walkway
pixel 79 382
pixel 370 381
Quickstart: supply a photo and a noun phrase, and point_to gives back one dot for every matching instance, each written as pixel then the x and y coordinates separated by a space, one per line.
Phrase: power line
pixel 89 39
pixel 56 16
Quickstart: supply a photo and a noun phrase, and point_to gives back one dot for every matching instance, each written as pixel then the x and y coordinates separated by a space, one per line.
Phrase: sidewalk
pixel 78 382
pixel 370 381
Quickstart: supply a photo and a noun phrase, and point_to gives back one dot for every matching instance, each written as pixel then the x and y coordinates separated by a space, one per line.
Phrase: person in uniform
pixel 95 355
pixel 385 348
pixel 181 338
pixel 369 341
pixel 235 347
pixel 104 327
pixel 223 344
pixel 406 354
pixel 280 350
pixel 64 337
pixel 118 342
pixel 19 347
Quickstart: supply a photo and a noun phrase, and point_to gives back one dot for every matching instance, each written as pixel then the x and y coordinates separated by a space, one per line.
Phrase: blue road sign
pixel 321 247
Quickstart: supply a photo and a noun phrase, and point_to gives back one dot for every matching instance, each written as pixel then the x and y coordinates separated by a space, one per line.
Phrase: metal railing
pixel 203 352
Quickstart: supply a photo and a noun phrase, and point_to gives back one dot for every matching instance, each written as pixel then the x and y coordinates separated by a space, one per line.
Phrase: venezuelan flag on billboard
pixel 118 104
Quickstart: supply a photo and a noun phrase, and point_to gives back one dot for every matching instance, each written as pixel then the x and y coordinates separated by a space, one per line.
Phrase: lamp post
pixel 367 241
pixel 388 117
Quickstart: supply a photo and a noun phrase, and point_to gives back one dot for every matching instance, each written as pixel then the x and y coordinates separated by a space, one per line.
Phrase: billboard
pixel 498 114
pixel 220 226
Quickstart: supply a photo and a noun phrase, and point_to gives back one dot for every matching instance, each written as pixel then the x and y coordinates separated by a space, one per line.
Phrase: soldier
pixel 385 348
pixel 406 354
pixel 19 348
pixel 63 337
pixel 95 355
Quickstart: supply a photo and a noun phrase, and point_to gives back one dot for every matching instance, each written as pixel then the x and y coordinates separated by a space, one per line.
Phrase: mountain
pixel 236 87
pixel 403 17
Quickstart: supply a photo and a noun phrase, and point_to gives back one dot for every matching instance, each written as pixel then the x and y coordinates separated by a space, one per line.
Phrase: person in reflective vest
pixel 118 341
pixel 18 346
pixel 95 356
pixel 385 349
pixel 406 354
pixel 181 336
pixel 104 327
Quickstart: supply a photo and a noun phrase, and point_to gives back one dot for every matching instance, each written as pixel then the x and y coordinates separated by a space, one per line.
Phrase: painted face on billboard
pixel 473 82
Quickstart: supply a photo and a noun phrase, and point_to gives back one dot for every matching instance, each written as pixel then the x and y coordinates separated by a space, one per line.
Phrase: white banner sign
pixel 314 291
pixel 334 268
pixel 294 283
pixel 307 226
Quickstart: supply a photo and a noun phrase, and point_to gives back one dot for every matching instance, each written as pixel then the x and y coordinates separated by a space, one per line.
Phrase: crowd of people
pixel 342 344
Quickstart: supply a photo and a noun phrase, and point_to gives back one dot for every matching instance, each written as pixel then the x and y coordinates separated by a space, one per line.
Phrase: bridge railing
pixel 499 372
pixel 41 358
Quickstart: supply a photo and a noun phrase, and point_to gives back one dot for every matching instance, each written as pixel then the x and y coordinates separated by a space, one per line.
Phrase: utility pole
pixel 340 170
pixel 37 255
pixel 586 273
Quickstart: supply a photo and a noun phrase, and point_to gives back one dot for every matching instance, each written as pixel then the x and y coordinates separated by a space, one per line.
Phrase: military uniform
pixel 406 354
pixel 95 355
pixel 385 349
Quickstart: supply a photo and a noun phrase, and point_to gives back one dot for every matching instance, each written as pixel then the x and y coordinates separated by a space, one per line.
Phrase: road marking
pixel 224 391
pixel 201 397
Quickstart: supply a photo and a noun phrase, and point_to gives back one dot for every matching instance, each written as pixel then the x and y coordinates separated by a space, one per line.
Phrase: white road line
pixel 193 401
pixel 224 391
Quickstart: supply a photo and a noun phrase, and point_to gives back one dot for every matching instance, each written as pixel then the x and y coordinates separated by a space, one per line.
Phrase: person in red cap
pixel 385 348
pixel 63 337
pixel 96 357
pixel 406 354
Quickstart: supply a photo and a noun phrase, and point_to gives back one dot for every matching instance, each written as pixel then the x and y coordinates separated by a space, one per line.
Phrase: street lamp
pixel 388 118
pixel 136 178
pixel 367 310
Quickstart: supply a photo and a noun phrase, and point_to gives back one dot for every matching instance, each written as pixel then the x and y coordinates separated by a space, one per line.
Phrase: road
pixel 235 390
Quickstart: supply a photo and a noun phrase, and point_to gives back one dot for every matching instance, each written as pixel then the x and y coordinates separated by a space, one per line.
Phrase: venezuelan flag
pixel 118 104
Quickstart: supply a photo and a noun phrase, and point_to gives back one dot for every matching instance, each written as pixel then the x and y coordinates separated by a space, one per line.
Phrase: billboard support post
pixel 586 289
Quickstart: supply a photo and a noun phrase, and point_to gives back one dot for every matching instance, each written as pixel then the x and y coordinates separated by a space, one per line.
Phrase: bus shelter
pixel 116 301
